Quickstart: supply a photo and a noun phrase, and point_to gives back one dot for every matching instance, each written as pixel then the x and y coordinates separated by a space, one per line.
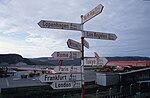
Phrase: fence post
pixel 121 88
pixel 110 91
pixel 64 96
pixel 97 91
pixel 131 88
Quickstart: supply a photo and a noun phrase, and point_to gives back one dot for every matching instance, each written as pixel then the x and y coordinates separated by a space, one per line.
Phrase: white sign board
pixel 59 25
pixel 66 85
pixel 99 35
pixel 74 44
pixel 90 61
pixel 66 54
pixel 94 12
pixel 102 61
pixel 95 61
pixel 59 77
pixel 86 44
pixel 68 69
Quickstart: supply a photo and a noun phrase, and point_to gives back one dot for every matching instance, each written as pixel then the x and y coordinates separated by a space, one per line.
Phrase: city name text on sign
pixel 68 69
pixel 59 25
pixel 66 85
pixel 99 35
pixel 59 77
pixel 90 61
pixel 74 44
pixel 97 10
pixel 95 61
pixel 66 54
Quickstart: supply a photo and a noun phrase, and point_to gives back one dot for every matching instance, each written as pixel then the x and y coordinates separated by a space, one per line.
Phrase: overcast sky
pixel 128 19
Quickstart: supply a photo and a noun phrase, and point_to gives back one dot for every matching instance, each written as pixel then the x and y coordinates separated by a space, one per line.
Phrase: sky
pixel 128 19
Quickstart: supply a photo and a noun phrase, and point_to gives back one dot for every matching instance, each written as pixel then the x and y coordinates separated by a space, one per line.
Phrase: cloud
pixel 35 51
pixel 4 2
pixel 128 19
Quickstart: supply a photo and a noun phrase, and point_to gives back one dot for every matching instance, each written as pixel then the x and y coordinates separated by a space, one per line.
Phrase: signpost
pixel 68 69
pixel 102 61
pixel 59 25
pixel 94 12
pixel 74 44
pixel 86 44
pixel 63 55
pixel 64 81
pixel 95 61
pixel 59 77
pixel 99 35
pixel 66 85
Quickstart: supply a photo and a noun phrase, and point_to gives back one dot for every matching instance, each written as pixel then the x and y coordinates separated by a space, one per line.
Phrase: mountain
pixel 75 62
pixel 16 58
pixel 13 59
pixel 128 58
pixel 78 61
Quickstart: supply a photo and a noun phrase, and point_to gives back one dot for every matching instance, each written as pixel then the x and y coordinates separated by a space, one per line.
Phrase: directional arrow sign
pixel 90 61
pixel 86 44
pixel 73 44
pixel 102 61
pixel 95 61
pixel 59 77
pixel 68 69
pixel 94 12
pixel 66 54
pixel 99 35
pixel 59 25
pixel 66 85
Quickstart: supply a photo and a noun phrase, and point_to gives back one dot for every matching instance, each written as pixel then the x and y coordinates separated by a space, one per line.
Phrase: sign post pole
pixel 82 58
pixel 75 45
